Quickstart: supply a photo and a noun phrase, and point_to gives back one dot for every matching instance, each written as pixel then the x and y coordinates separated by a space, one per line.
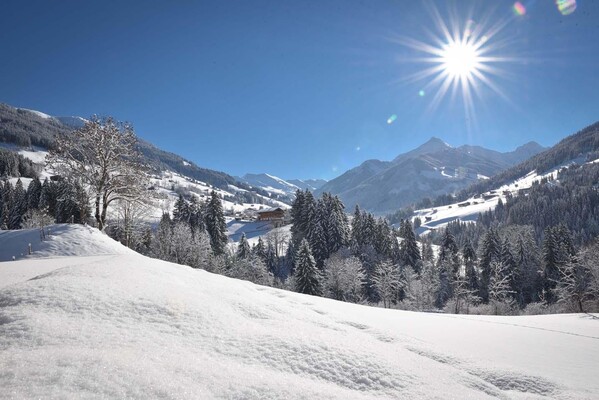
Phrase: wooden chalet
pixel 272 214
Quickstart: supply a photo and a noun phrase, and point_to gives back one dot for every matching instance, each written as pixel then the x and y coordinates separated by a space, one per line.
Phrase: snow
pixel 63 240
pixel 37 156
pixel 441 216
pixel 254 230
pixel 38 113
pixel 122 325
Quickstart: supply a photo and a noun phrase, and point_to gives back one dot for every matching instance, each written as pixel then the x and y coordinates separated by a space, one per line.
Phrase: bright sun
pixel 460 60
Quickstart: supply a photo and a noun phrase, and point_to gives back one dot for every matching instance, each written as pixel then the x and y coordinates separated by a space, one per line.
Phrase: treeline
pixel 41 204
pixel 572 199
pixel 15 165
pixel 26 129
pixel 496 270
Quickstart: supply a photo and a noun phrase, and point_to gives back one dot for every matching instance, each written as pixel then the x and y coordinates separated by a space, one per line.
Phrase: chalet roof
pixel 270 209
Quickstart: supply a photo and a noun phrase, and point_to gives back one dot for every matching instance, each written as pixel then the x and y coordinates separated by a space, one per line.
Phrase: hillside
pixel 126 326
pixel 529 179
pixel 27 128
pixel 434 168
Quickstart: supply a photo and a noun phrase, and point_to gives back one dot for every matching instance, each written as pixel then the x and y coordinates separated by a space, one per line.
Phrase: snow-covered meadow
pixel 75 323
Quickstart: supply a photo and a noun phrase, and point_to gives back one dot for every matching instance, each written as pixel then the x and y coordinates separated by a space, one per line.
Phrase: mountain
pixel 30 128
pixel 84 317
pixel 434 168
pixel 270 183
pixel 310 184
pixel 557 184
pixel 283 187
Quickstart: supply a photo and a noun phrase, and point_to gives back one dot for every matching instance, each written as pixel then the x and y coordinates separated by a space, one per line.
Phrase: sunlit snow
pixel 122 325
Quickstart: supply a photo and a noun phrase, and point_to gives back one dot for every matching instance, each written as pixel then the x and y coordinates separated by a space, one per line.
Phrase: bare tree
pixel 344 278
pixel 103 157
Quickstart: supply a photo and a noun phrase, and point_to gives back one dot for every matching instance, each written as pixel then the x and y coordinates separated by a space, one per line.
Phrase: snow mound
pixel 126 326
pixel 62 240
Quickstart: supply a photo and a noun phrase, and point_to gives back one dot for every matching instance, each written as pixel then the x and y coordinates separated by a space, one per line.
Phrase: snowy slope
pixel 270 183
pixel 126 326
pixel 468 210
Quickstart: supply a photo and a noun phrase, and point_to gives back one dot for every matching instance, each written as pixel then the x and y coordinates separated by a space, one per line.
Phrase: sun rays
pixel 461 59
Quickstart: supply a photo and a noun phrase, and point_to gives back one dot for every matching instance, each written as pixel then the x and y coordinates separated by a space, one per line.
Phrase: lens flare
pixel 519 9
pixel 421 93
pixel 391 119
pixel 566 7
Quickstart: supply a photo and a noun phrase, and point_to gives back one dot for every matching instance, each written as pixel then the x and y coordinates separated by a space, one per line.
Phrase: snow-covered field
pixel 120 325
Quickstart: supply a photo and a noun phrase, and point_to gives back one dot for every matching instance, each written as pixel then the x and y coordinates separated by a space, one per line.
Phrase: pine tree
pixel 7 204
pixel 162 240
pixel 270 260
pixel 386 282
pixel 550 264
pixel 19 205
pixel 215 224
pixel 383 239
pixel 490 251
pixel 259 250
pixel 356 228
pixel 409 251
pixel 510 266
pixel 297 211
pixel 34 191
pixel 243 248
pixel 196 217
pixel 471 276
pixel 307 276
pixel 181 211
pixel 318 240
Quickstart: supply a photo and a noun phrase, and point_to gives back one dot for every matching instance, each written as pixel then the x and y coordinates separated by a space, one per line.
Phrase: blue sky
pixel 299 89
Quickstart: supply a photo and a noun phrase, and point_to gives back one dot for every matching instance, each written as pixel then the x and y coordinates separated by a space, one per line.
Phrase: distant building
pixel 272 214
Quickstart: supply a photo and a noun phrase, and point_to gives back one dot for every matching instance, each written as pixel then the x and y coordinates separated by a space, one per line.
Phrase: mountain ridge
pixel 433 168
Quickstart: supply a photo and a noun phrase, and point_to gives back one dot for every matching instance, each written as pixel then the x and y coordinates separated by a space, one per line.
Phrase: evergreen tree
pixel 297 212
pixel 270 260
pixel 215 224
pixel 48 198
pixel 181 211
pixel 336 223
pixel 386 282
pixel 550 264
pixel 490 251
pixel 471 276
pixel 383 239
pixel 409 251
pixel 7 204
pixel 243 248
pixel 356 227
pixel 196 217
pixel 307 276
pixel 510 266
pixel 163 235
pixel 19 205
pixel 34 191
pixel 259 250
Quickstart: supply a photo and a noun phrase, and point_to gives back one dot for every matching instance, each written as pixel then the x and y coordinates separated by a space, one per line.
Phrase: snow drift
pixel 120 325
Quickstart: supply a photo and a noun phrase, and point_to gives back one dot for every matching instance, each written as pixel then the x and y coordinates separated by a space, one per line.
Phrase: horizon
pixel 303 91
